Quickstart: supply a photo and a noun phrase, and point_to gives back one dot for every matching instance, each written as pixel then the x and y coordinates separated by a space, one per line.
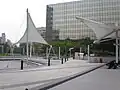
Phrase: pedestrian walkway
pixel 19 80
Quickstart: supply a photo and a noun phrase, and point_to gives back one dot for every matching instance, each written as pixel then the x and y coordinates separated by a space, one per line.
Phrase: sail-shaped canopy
pixel 31 34
pixel 101 30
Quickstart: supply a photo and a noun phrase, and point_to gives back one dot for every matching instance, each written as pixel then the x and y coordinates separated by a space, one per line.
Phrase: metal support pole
pixel 70 52
pixel 59 53
pixel 30 49
pixel 80 49
pixel 65 59
pixel 116 24
pixel 33 49
pixel 48 55
pixel 27 37
pixel 88 52
pixel 23 51
pixel 119 50
pixel 116 46
pixel 46 52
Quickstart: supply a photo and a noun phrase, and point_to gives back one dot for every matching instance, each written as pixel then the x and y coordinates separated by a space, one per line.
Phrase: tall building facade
pixel 61 17
pixel 54 33
pixel 42 31
pixel 0 40
pixel 9 42
pixel 3 38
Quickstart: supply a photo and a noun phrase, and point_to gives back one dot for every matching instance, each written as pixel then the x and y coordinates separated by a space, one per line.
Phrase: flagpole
pixel 27 35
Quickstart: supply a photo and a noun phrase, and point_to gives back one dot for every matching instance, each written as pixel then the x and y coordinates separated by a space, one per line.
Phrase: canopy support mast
pixel 116 46
pixel 27 37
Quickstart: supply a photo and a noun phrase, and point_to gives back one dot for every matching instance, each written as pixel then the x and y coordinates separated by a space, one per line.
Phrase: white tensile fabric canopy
pixel 101 30
pixel 31 34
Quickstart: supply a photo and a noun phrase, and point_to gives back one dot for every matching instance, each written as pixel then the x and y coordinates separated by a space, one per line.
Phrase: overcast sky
pixel 13 15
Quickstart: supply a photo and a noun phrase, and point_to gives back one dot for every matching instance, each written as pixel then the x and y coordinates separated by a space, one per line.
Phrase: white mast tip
pixel 27 10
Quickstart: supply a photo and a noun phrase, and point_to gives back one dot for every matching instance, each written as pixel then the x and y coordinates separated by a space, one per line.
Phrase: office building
pixel 42 31
pixel 61 17
pixel 9 42
pixel 0 40
pixel 3 38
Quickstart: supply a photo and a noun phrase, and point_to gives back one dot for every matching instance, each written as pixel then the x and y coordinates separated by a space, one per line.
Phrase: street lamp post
pixel 70 50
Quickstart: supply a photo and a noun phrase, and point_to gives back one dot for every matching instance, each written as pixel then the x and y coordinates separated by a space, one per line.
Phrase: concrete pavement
pixel 19 80
pixel 100 79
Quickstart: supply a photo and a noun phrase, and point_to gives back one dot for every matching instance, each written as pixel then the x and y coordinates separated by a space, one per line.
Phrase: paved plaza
pixel 100 79
pixel 29 78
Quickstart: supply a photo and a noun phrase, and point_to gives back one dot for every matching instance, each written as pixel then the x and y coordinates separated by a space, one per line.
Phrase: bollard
pixel 21 64
pixel 101 60
pixel 48 61
pixel 65 59
pixel 62 61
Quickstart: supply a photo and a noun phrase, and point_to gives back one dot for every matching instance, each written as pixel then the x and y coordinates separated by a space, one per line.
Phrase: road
pixel 101 79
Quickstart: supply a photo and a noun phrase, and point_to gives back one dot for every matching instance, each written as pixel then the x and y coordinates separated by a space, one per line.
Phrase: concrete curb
pixel 62 80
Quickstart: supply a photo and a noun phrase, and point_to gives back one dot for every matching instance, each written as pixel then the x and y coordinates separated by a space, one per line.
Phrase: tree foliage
pixel 65 45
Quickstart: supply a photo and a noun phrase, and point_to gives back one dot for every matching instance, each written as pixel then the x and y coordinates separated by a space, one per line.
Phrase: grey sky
pixel 13 15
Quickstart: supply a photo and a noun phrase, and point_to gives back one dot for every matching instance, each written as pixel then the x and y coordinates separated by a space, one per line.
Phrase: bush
pixel 5 54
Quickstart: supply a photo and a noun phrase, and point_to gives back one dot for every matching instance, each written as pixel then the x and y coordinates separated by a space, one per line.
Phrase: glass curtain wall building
pixel 61 17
